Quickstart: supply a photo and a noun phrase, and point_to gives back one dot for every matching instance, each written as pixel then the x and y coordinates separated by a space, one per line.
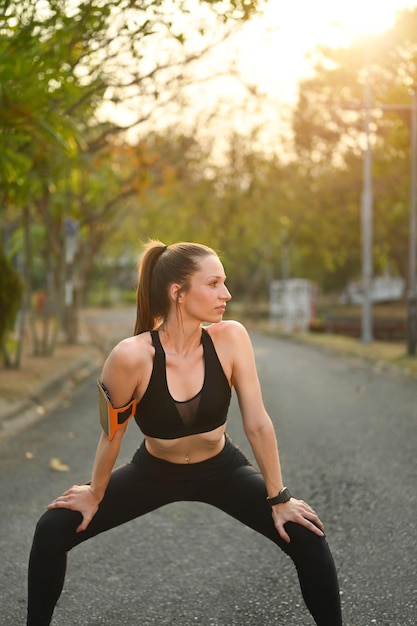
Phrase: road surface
pixel 347 436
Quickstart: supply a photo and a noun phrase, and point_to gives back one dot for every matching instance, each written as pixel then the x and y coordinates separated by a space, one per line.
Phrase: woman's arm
pixel 260 433
pixel 120 378
pixel 86 498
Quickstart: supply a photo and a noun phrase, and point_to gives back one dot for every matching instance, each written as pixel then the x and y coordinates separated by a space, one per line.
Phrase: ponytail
pixel 160 267
pixel 145 318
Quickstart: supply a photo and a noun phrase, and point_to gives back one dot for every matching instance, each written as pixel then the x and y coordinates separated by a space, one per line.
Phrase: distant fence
pixel 383 329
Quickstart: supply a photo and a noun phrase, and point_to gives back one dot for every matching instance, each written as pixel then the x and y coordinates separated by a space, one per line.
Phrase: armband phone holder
pixel 110 418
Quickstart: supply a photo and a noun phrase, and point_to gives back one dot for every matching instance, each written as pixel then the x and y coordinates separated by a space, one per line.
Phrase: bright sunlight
pixel 273 47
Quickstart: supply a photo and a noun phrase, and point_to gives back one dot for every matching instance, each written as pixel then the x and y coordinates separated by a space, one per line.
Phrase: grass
pixel 388 353
pixel 392 353
pixel 384 353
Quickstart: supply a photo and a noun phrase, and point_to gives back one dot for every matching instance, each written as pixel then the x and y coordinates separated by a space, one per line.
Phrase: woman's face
pixel 207 295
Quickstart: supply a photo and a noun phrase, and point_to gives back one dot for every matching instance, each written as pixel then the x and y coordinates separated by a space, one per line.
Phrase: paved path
pixel 348 439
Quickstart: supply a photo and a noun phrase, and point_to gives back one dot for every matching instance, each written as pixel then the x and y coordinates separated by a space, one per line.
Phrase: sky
pixel 271 54
pixel 273 48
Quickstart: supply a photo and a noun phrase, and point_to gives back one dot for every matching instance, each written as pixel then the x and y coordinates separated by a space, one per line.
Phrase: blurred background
pixel 282 135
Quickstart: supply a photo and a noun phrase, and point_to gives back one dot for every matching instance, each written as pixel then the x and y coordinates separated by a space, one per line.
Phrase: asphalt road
pixel 348 437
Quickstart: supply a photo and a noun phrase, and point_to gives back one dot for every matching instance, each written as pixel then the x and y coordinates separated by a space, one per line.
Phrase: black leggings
pixel 227 481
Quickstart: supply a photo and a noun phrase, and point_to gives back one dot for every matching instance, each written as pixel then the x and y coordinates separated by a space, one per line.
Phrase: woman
pixel 176 377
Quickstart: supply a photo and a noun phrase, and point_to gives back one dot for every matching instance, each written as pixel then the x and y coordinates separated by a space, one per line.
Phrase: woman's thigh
pixel 130 493
pixel 243 496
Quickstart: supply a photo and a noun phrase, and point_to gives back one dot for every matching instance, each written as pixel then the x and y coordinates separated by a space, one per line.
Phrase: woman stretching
pixel 175 377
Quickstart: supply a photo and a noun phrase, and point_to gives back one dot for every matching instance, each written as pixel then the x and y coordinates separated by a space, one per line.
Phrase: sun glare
pixel 360 18
pixel 322 20
pixel 274 46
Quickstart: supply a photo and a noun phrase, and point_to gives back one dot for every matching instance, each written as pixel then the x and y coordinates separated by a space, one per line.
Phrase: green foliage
pixel 60 62
pixel 302 217
pixel 328 127
pixel 234 9
pixel 269 217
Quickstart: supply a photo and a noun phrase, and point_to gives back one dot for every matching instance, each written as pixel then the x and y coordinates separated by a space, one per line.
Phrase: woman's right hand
pixel 78 498
pixel 299 512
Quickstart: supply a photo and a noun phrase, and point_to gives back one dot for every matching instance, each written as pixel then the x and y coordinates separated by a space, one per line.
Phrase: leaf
pixel 58 465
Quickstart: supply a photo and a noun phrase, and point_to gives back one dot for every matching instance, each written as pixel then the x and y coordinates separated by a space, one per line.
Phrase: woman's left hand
pixel 78 498
pixel 299 512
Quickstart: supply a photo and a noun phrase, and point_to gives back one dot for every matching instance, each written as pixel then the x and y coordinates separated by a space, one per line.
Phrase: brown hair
pixel 160 266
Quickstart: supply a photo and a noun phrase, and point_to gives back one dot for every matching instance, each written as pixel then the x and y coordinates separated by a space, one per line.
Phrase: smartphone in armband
pixel 110 418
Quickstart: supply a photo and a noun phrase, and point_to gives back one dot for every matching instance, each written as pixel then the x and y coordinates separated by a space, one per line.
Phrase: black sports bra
pixel 159 415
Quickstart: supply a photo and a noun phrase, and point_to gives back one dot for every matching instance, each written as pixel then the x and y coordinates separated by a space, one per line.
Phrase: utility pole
pixel 367 222
pixel 366 217
pixel 412 292
pixel 412 253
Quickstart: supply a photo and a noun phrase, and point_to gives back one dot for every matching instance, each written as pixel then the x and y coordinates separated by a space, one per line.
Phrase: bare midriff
pixel 191 449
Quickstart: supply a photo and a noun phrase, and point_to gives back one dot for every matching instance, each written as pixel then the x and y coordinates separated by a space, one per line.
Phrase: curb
pixel 57 389
pixel 46 397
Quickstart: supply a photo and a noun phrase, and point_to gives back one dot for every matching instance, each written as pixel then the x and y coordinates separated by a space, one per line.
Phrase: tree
pixel 11 288
pixel 328 129
pixel 64 66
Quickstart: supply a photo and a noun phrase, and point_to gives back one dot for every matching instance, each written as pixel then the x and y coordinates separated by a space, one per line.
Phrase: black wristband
pixel 283 496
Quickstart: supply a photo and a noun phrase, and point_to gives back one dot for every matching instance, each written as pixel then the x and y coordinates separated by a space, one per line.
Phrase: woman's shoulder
pixel 227 331
pixel 133 351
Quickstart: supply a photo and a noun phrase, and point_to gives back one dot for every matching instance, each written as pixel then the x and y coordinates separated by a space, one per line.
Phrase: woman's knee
pixel 304 543
pixel 57 528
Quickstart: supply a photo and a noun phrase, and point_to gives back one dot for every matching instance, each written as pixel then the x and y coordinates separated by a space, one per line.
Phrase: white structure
pixel 383 289
pixel 292 304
